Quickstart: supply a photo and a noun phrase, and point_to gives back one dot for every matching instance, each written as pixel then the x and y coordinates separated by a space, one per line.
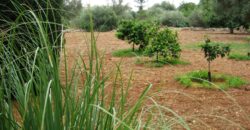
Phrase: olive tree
pixel 232 13
pixel 213 51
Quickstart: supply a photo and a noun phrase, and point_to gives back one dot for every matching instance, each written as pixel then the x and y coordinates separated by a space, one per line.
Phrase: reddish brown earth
pixel 202 108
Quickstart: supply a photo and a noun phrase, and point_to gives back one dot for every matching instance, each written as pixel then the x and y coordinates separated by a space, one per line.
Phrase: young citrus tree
pixel 124 30
pixel 213 51
pixel 165 44
pixel 137 33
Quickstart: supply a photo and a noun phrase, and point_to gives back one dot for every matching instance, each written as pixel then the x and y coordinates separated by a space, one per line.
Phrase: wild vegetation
pixel 38 89
pixel 199 79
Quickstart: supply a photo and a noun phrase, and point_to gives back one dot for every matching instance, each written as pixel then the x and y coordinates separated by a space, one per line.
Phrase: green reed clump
pixel 32 77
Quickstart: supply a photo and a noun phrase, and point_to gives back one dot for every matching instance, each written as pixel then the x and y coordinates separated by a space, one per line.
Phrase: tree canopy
pixel 233 13
pixel 187 8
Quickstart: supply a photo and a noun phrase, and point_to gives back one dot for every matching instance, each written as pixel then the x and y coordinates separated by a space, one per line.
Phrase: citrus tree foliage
pixel 124 30
pixel 164 43
pixel 136 32
pixel 213 51
pixel 150 38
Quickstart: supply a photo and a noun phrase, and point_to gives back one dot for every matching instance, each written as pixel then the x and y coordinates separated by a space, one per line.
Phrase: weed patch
pixel 127 53
pixel 162 62
pixel 199 79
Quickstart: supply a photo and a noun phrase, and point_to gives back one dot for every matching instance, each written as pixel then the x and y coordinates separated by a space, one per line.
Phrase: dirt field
pixel 202 108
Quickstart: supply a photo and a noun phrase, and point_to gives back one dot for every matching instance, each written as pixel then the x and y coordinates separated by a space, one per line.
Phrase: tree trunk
pixel 133 47
pixel 209 73
pixel 231 30
pixel 157 56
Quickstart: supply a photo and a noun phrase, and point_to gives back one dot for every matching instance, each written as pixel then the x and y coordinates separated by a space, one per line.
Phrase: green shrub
pixel 187 8
pixel 195 19
pixel 154 14
pixel 164 43
pixel 124 29
pixel 165 6
pixel 173 18
pixel 104 19
pixel 122 11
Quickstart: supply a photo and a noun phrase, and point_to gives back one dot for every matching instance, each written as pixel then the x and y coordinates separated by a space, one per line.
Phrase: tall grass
pixel 41 102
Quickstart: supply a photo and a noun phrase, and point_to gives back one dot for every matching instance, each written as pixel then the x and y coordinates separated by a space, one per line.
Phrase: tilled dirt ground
pixel 202 108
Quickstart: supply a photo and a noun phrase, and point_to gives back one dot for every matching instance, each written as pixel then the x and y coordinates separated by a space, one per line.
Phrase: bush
pixel 125 15
pixel 165 44
pixel 122 11
pixel 187 8
pixel 174 18
pixel 104 19
pixel 196 19
pixel 165 6
pixel 153 14
pixel 124 29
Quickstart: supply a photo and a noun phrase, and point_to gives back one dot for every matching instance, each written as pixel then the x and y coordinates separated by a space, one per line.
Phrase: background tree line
pixel 208 13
